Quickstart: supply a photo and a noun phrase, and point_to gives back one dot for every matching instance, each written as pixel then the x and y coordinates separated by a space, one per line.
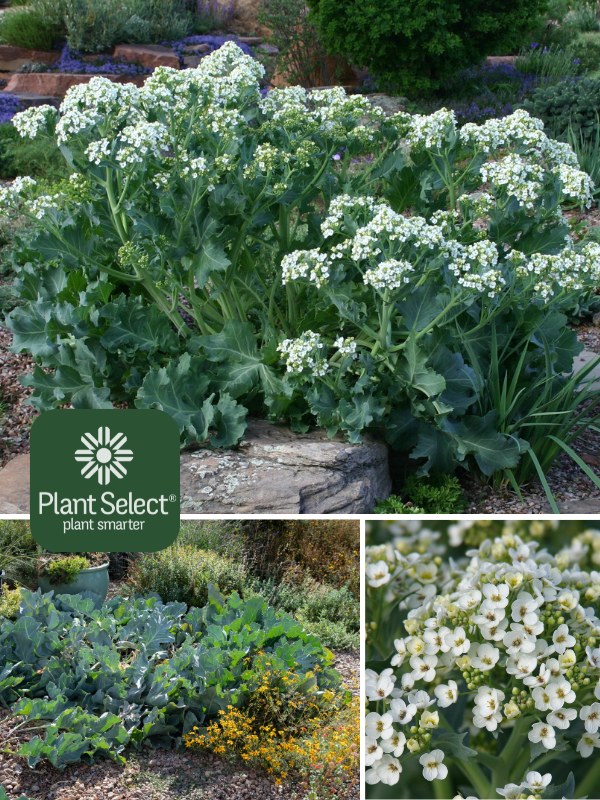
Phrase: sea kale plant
pixel 89 683
pixel 483 662
pixel 303 257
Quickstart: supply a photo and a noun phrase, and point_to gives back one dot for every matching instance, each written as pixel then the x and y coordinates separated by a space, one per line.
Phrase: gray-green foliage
pixel 18 552
pixel 93 27
pixel 331 614
pixel 97 681
pixel 183 573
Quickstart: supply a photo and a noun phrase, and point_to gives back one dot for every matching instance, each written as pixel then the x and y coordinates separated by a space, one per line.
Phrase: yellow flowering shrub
pixel 289 728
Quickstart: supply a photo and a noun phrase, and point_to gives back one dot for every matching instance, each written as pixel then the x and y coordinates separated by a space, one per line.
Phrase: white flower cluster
pixel 534 783
pixel 267 158
pixel 521 132
pixel 495 134
pixel 508 624
pixel 576 184
pixel 388 275
pixel 517 176
pixel 475 267
pixel 305 353
pixel 342 206
pixel 33 120
pixel 310 264
pixel 565 271
pixel 346 346
pixel 330 111
pixel 13 193
pixel 431 131
pixel 139 140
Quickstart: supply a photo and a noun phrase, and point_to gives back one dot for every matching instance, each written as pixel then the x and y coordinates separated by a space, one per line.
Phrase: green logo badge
pixel 104 481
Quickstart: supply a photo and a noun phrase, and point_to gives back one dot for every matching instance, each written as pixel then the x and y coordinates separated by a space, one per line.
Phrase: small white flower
pixel 433 766
pixel 544 733
pixel 446 694
pixel 590 715
pixel 378 686
pixel 387 770
pixel 373 751
pixel 561 718
pixel 401 711
pixel 536 781
pixel 423 667
pixel 486 658
pixel 394 745
pixel 400 654
pixel 378 726
pixel 587 743
pixel 524 607
pixel 562 639
pixel 457 641
pixel 511 791
pixel 378 574
pixel 496 595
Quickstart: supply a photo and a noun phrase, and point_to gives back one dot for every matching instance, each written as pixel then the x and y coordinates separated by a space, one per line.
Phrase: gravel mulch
pixel 16 417
pixel 158 774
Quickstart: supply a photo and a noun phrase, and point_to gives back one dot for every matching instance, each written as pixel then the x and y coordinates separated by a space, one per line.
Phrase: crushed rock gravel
pixel 158 774
pixel 16 416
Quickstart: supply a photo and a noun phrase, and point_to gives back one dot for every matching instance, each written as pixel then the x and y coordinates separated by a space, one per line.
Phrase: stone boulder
pixel 57 84
pixel 14 486
pixel 14 58
pixel 148 55
pixel 275 471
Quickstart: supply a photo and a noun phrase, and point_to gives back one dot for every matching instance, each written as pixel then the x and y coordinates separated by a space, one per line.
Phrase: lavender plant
pixel 484 664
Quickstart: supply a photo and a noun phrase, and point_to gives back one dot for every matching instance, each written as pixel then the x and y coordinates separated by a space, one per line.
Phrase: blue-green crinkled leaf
pixel 29 326
pixel 182 390
pixel 566 789
pixel 438 450
pixel 243 367
pixel 132 324
pixel 479 437
pixel 422 306
pixel 413 370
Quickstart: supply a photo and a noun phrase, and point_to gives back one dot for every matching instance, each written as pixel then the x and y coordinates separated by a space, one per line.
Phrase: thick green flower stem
pixel 114 208
pixel 588 787
pixel 475 775
pixel 443 790
pixel 515 746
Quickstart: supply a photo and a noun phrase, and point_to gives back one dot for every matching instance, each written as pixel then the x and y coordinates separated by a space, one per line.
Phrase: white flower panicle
pixel 310 264
pixel 305 354
pixel 388 275
pixel 33 120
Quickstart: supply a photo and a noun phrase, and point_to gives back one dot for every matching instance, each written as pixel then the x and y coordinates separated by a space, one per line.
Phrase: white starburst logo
pixel 103 455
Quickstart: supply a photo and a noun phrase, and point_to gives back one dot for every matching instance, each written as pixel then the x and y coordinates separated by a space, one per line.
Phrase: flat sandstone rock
pixel 276 471
pixel 272 471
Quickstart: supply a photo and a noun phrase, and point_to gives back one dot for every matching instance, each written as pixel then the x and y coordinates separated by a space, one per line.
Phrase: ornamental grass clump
pixel 487 657
pixel 302 257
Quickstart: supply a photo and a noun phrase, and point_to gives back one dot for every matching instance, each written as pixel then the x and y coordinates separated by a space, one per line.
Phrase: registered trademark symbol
pixel 172 498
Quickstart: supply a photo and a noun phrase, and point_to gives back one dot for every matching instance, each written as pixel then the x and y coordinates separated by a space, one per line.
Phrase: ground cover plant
pixel 417 295
pixel 92 682
pixel 483 665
